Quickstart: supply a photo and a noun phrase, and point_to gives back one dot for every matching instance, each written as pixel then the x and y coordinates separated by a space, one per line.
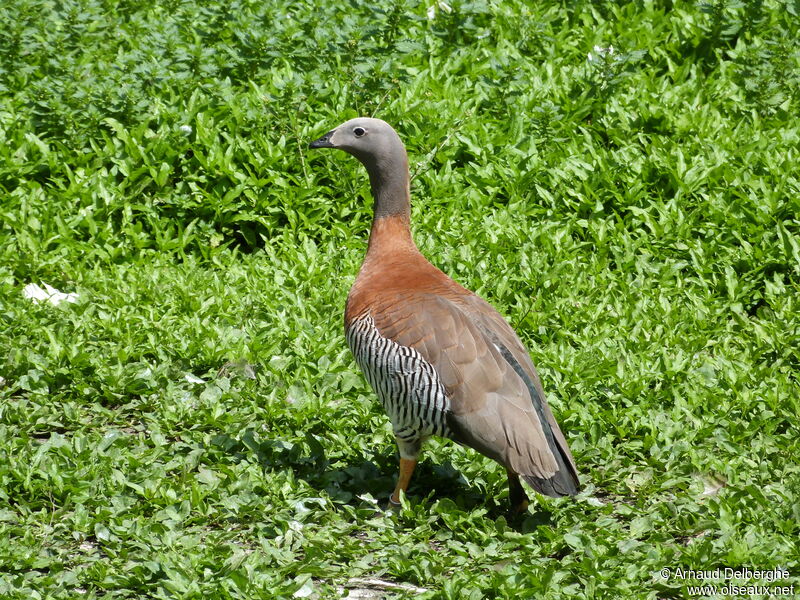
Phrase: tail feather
pixel 563 483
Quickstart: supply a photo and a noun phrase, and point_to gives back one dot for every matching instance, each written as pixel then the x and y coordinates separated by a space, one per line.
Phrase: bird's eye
pixel 359 131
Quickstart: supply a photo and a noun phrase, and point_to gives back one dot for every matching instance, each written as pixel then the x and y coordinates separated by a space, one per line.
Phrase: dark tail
pixel 563 483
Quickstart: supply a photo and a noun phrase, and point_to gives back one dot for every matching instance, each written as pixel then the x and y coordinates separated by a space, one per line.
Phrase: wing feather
pixel 497 405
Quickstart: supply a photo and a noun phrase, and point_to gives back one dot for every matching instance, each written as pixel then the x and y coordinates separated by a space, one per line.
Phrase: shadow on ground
pixel 375 475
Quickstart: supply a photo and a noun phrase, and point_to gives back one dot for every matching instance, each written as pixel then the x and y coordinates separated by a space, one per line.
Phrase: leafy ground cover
pixel 620 179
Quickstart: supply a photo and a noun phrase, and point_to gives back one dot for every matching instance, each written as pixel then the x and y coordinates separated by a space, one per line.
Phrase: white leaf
pixel 48 293
pixel 305 591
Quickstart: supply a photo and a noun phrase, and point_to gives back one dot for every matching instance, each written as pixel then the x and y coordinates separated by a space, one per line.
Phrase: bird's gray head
pixel 380 150
pixel 367 139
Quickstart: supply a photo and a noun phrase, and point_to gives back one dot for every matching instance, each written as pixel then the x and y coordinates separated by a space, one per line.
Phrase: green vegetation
pixel 634 213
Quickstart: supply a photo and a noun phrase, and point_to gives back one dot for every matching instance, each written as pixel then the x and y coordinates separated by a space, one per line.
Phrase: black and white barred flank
pixel 407 385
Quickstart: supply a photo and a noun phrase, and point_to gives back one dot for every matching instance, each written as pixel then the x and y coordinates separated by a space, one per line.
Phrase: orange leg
pixel 406 470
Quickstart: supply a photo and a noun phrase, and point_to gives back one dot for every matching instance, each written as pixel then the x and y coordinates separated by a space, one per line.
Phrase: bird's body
pixel 440 358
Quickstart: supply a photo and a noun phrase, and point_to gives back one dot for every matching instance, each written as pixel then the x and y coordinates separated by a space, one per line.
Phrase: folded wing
pixel 497 402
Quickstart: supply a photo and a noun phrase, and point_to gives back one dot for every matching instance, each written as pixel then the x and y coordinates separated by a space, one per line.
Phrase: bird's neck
pixel 389 180
pixel 391 235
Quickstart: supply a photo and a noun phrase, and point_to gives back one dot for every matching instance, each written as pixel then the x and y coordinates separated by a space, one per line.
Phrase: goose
pixel 442 361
